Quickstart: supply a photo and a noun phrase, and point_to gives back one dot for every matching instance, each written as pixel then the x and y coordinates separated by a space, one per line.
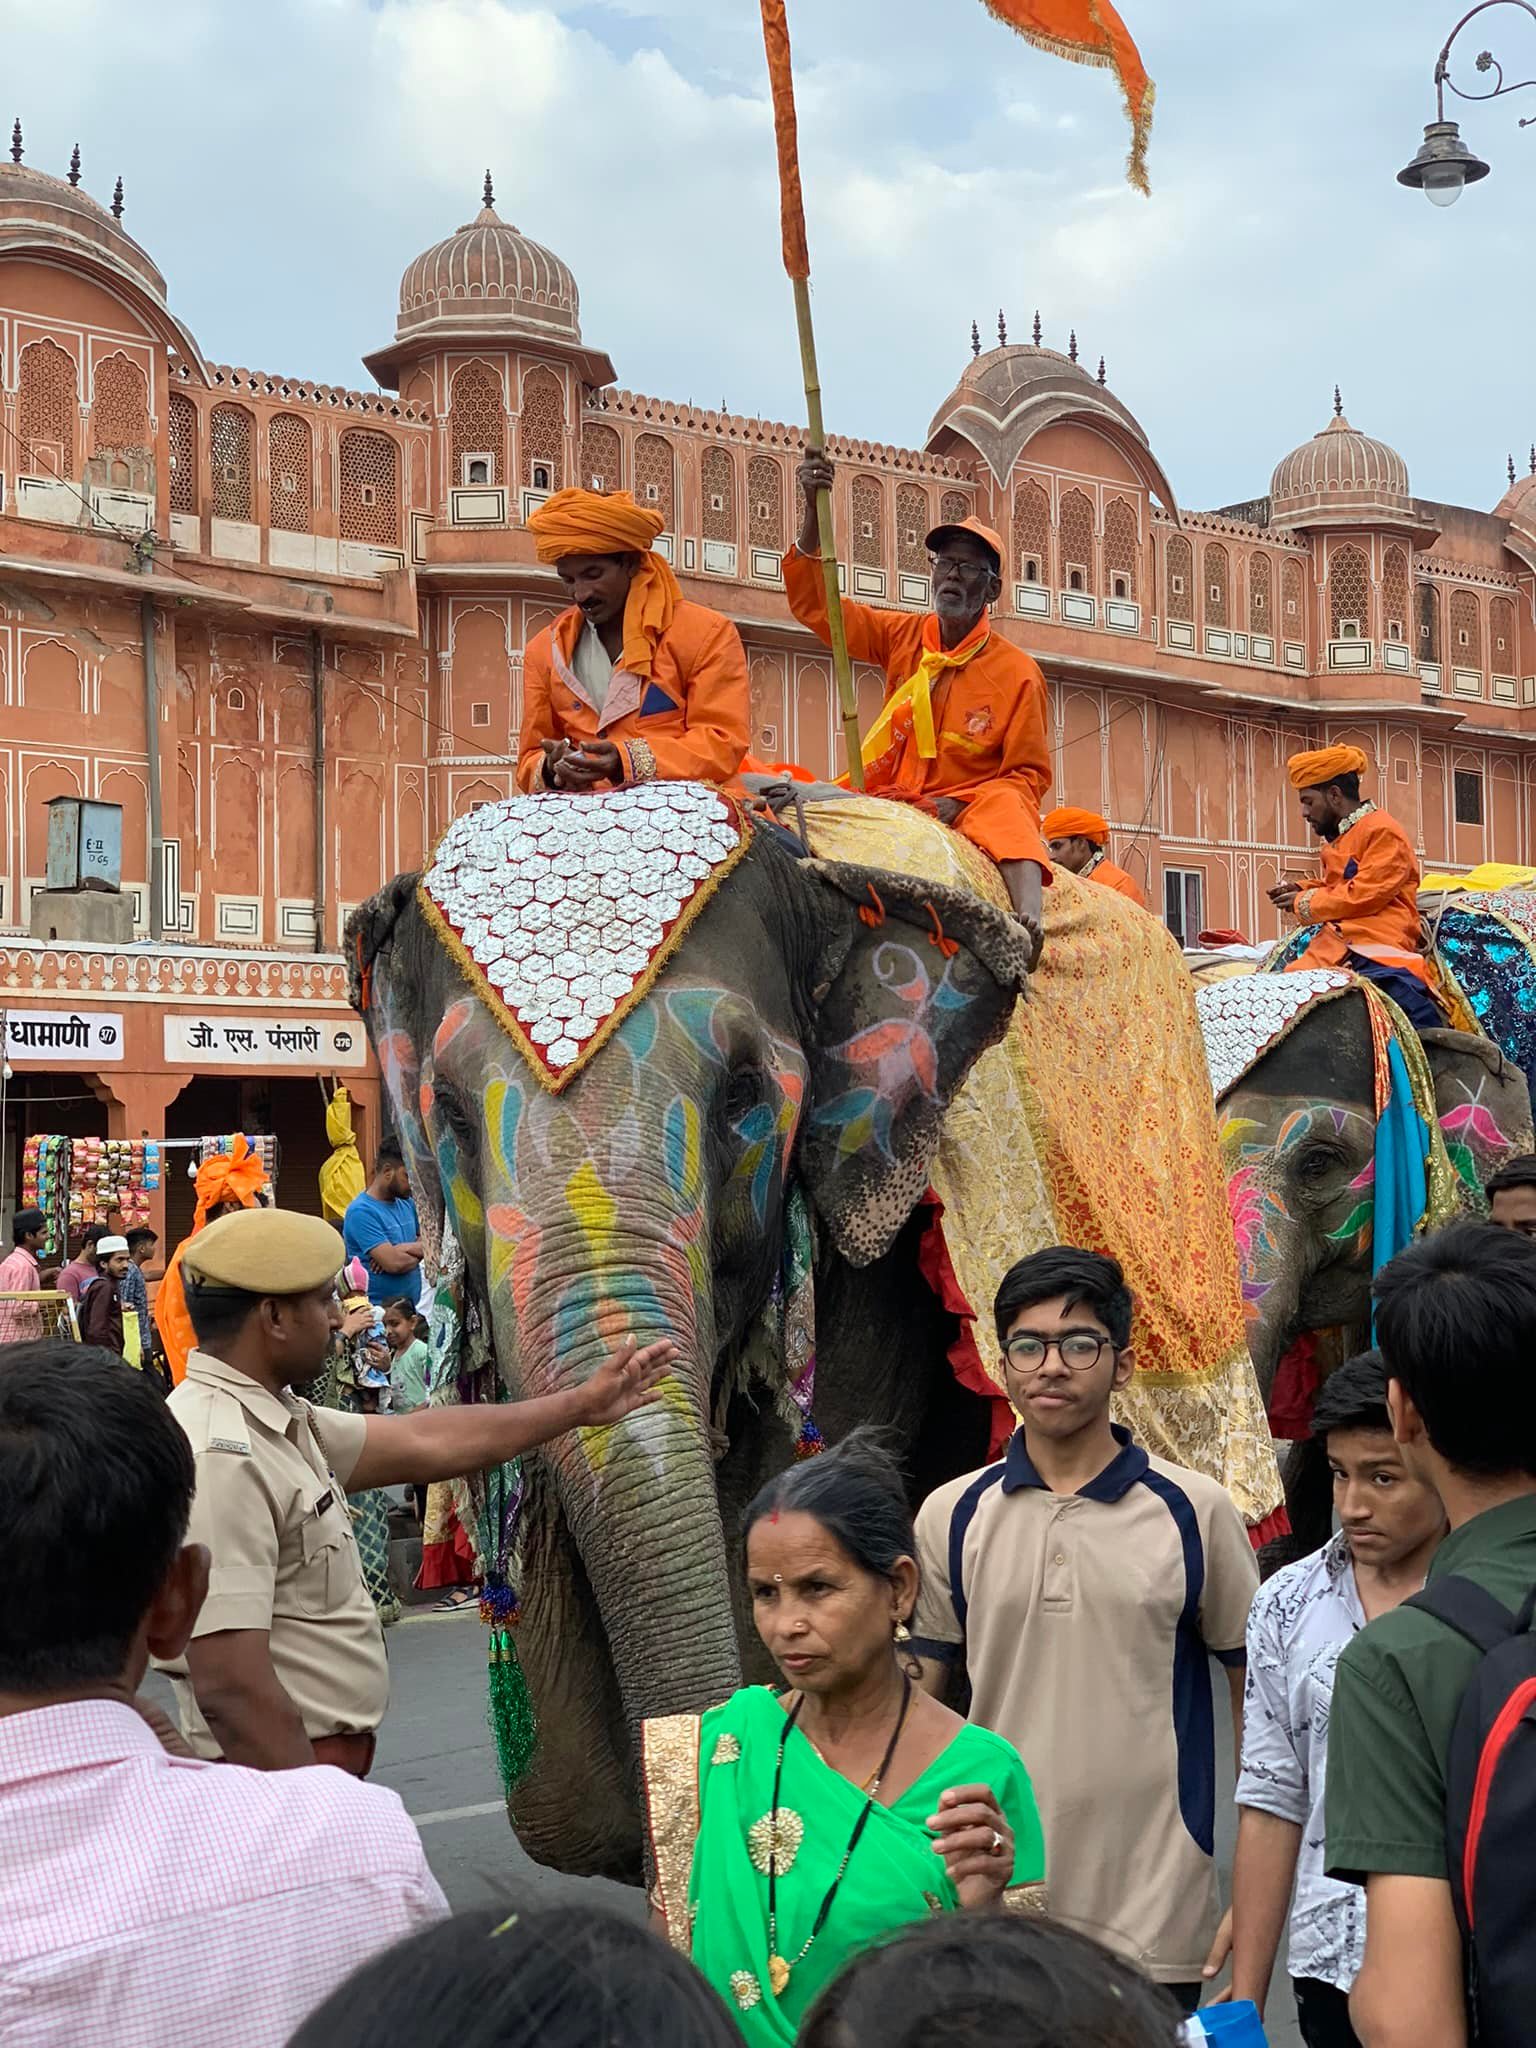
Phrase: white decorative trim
pixel 1242 1017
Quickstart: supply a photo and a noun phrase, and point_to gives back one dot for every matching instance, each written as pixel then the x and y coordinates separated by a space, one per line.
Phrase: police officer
pixel 287 1663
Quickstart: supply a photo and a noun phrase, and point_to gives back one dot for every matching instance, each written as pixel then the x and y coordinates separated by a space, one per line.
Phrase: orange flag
pixel 781 79
pixel 1089 32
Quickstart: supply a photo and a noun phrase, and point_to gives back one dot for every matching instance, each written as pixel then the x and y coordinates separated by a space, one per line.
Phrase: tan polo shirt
pixel 271 1507
pixel 1086 1622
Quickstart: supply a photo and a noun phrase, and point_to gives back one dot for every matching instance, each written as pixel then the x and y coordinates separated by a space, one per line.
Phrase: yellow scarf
pixel 917 690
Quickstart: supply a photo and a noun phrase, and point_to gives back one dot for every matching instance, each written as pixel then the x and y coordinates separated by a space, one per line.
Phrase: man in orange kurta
pixel 229 1180
pixel 962 734
pixel 632 683
pixel 1365 903
pixel 1077 841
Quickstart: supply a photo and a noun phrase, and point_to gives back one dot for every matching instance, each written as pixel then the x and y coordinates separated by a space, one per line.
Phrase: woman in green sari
pixel 790 1830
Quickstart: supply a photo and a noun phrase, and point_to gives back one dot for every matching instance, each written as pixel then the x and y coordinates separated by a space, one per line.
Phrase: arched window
pixel 1120 548
pixel 120 408
pixel 369 499
pixel 1076 535
pixel 1179 568
pixel 765 502
pixel 1032 532
pixel 654 483
pixel 1502 650
pixel 543 429
pixel 1429 622
pixel 229 432
pixel 1349 594
pixel 477 426
pixel 183 433
pixel 1466 649
pixel 717 488
pixel 48 408
pixel 912 524
pixel 868 543
pixel 1293 600
pixel 954 506
pixel 1261 594
pixel 1218 579
pixel 1394 595
pixel 290 467
pixel 600 457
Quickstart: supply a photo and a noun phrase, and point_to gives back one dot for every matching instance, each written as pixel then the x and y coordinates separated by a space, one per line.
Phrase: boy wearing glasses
pixel 962 732
pixel 1084 1586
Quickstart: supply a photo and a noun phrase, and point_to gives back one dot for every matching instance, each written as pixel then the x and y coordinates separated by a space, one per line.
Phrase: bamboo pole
pixel 842 667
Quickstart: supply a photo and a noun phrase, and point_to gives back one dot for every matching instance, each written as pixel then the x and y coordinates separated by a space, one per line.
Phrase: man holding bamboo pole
pixel 963 732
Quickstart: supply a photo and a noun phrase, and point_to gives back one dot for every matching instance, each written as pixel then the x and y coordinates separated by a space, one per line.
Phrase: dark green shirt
pixel 1395 1697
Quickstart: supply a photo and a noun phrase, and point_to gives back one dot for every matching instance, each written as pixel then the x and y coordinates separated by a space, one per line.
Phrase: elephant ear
pixel 916 981
pixel 370 930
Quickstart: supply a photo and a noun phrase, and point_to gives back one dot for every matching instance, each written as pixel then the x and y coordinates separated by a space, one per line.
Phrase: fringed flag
pixel 1090 32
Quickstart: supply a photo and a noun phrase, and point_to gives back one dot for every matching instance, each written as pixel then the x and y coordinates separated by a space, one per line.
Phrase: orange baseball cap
pixel 975 528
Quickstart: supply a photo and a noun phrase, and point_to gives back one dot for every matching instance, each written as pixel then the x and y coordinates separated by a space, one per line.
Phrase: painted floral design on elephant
pixel 895 1059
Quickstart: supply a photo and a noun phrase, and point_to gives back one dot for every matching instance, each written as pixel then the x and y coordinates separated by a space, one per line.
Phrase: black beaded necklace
pixel 778 1969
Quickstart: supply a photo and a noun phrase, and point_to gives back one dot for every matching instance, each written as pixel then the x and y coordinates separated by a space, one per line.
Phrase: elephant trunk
pixel 640 1496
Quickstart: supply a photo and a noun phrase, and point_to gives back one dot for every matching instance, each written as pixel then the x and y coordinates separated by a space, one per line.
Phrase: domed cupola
pixel 488 284
pixel 1341 478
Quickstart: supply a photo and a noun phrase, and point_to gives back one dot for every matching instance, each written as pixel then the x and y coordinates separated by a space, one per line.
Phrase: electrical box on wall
pixel 85 844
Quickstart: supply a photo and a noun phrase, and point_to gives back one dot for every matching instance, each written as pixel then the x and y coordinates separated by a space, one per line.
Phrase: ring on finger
pixel 998 1843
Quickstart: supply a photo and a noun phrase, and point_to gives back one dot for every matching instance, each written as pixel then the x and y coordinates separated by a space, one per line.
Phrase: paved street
pixel 435 1751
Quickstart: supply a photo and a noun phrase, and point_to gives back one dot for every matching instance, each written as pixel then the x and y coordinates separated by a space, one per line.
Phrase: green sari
pixel 709 1790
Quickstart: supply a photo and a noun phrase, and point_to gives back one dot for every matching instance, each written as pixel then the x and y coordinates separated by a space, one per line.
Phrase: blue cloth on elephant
pixel 1495 961
pixel 1402 1154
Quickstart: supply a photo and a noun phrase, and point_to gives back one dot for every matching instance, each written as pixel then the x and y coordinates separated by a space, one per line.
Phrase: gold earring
pixel 901 1633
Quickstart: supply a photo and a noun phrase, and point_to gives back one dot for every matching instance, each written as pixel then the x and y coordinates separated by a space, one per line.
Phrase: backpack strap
pixel 1471 1611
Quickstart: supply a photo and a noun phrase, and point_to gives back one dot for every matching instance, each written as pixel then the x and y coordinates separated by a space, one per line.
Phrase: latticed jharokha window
pixel 600 457
pixel 912 523
pixel 183 433
pixel 1394 595
pixel 543 430
pixel 120 408
pixel 654 478
pixel 290 468
pixel 1218 580
pixel 1429 622
pixel 1349 594
pixel 717 485
pixel 868 537
pixel 1466 630
pixel 1032 532
pixel 954 505
pixel 1120 548
pixel 369 503
pixel 229 439
pixel 1076 542
pixel 1179 569
pixel 1293 589
pixel 765 502
pixel 1261 594
pixel 477 425
pixel 1501 636
pixel 48 406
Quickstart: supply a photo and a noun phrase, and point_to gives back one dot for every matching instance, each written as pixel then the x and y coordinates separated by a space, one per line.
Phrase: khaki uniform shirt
pixel 271 1507
pixel 1086 1622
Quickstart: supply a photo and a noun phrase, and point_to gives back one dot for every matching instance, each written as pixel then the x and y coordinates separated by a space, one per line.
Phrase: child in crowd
pixel 410 1360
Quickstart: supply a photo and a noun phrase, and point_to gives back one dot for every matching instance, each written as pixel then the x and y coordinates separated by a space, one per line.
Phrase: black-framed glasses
pixel 964 565
pixel 1078 1350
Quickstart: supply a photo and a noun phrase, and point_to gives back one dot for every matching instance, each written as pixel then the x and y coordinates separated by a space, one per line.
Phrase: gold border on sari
pixel 669 1767
pixel 1026 1898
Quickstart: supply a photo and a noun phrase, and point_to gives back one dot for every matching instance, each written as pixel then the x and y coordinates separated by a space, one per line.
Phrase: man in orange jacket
pixel 1365 903
pixel 1077 841
pixel 962 734
pixel 632 683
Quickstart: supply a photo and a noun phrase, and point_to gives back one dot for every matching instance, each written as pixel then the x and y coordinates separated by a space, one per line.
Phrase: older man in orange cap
pixel 632 683
pixel 1077 841
pixel 1365 903
pixel 962 734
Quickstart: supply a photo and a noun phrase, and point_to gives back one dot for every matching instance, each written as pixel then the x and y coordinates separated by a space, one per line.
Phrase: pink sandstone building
pixel 281 625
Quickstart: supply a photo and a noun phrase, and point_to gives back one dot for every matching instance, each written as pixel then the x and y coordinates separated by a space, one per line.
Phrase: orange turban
pixel 233 1176
pixel 1326 764
pixel 1069 823
pixel 611 523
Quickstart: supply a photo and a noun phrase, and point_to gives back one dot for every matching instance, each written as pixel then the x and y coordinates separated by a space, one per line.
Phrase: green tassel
pixel 510 1708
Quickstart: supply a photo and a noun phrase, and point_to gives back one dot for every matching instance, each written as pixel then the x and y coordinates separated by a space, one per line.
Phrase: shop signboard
pixel 62 1038
pixel 217 1039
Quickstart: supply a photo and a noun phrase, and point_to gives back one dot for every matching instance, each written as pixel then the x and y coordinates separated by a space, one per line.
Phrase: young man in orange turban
pixel 1077 841
pixel 632 683
pixel 1366 901
pixel 962 734
pixel 228 1181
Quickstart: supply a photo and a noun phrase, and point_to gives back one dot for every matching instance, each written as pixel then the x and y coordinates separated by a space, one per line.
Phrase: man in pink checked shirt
pixel 151 1900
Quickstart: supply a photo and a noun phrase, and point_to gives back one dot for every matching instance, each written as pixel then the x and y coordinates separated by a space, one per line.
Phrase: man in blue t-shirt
pixel 381 1229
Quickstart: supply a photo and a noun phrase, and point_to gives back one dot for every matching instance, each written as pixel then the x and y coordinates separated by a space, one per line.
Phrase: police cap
pixel 264 1251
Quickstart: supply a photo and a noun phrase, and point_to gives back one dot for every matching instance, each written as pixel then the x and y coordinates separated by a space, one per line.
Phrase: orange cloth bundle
pixel 1090 32
pixel 1067 822
pixel 1324 764
pixel 577 522
pixel 234 1176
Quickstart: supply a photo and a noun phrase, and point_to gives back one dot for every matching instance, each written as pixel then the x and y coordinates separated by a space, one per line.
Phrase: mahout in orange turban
pixel 1325 764
pixel 575 522
pixel 1067 822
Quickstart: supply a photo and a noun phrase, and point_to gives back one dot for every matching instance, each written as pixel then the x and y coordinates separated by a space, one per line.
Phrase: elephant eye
pixel 742 1092
pixel 456 1115
pixel 1317 1162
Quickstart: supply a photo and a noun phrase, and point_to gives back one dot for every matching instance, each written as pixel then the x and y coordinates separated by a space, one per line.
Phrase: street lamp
pixel 1443 163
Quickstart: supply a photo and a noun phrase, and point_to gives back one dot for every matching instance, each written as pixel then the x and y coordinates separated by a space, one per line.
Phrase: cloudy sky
pixel 283 163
